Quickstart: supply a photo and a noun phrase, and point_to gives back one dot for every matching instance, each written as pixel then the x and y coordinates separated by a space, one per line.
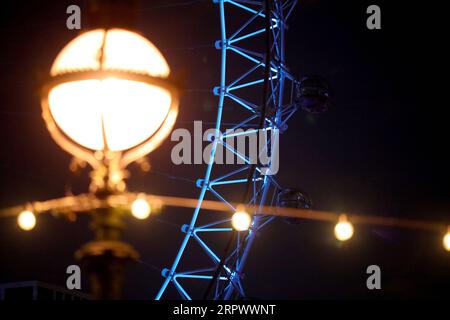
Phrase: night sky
pixel 380 149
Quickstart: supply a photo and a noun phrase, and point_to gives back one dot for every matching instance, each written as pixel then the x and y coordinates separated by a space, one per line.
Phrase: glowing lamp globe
pixel 109 91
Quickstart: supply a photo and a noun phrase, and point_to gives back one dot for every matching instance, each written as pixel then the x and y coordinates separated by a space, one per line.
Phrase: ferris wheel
pixel 241 47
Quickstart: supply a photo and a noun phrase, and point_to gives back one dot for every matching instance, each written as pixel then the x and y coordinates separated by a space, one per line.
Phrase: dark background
pixel 381 149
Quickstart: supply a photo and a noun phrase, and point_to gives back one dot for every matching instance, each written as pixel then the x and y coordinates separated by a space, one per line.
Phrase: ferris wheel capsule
pixel 313 94
pixel 293 198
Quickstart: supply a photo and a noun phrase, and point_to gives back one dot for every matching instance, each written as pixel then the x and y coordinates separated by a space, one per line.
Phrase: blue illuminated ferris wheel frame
pixel 282 106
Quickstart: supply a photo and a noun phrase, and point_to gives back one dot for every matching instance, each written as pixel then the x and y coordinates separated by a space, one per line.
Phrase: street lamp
pixel 108 102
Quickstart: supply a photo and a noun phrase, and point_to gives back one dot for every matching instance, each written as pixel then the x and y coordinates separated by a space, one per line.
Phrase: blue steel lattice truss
pixel 240 90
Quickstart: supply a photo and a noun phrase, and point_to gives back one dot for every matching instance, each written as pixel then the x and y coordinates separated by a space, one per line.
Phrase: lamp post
pixel 108 102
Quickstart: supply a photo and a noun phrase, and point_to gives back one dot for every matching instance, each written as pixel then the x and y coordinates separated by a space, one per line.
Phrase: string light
pixel 241 220
pixel 140 208
pixel 26 220
pixel 343 230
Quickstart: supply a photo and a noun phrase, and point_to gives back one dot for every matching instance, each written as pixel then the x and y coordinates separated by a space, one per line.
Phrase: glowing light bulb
pixel 343 230
pixel 241 220
pixel 141 209
pixel 446 240
pixel 26 220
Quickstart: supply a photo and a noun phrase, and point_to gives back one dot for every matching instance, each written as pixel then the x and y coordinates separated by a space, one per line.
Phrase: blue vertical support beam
pixel 264 188
pixel 169 277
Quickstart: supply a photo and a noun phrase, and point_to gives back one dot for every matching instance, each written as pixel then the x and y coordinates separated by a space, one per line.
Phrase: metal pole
pixel 105 259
